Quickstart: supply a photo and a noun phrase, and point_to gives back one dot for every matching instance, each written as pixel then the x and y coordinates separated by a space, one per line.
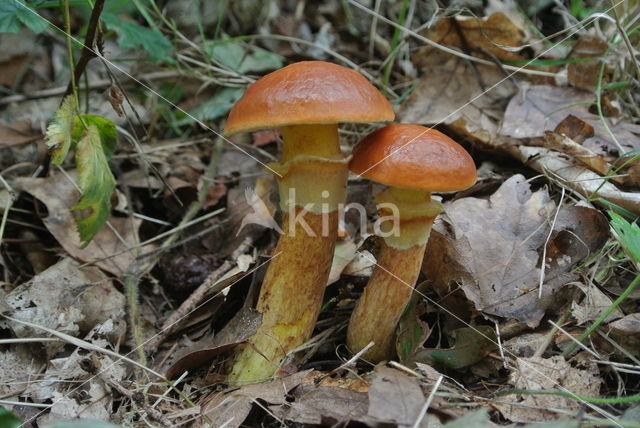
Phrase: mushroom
pixel 305 100
pixel 413 161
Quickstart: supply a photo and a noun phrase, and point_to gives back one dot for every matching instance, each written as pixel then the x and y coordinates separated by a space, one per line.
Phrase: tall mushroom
pixel 306 101
pixel 413 161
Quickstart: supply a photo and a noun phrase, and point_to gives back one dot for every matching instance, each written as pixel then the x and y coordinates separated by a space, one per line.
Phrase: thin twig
pixel 87 53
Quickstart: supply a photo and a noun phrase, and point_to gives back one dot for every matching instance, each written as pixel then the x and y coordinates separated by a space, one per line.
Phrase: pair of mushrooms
pixel 306 101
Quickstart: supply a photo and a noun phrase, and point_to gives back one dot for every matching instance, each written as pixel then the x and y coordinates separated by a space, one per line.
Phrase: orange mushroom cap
pixel 308 92
pixel 413 157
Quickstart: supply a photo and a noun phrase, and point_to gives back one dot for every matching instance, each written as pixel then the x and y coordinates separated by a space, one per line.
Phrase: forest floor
pixel 132 238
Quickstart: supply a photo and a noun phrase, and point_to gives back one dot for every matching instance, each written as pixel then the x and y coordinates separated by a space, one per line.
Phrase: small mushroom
pixel 413 161
pixel 306 101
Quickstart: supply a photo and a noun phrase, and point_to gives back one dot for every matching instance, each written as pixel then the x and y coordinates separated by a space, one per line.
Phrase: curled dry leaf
pixel 540 108
pixel 550 374
pixel 106 250
pixel 492 249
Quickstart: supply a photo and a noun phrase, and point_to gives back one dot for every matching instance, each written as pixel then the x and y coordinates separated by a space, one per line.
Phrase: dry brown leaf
pixel 575 177
pixel 594 303
pixel 584 74
pixel 16 134
pixel 551 374
pixel 230 408
pixel 105 250
pixel 478 35
pixel 453 93
pixel 541 108
pixel 58 298
pixel 492 249
pixel 327 405
pixel 628 326
pixel 395 397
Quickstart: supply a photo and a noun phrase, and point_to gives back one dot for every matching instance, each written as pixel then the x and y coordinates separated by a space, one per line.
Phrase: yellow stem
pixel 377 312
pixel 292 292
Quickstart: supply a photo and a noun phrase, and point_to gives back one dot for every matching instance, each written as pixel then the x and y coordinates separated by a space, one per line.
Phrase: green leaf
pixel 133 36
pixel 412 331
pixel 215 107
pixel 59 132
pixel 8 419
pixel 106 129
pixel 472 345
pixel 241 58
pixel 96 183
pixel 82 423
pixel 14 12
pixel 628 234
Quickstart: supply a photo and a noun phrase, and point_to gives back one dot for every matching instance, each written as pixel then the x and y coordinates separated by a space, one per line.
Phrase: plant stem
pixel 604 315
pixel 87 48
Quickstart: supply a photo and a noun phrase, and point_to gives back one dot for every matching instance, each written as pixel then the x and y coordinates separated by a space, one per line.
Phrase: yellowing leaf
pixel 96 183
pixel 59 132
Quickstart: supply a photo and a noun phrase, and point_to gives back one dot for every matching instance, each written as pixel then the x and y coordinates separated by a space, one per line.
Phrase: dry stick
pixel 549 336
pixel 96 84
pixel 87 52
pixel 210 284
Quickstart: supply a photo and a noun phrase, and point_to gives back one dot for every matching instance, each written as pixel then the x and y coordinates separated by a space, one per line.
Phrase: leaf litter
pixel 504 261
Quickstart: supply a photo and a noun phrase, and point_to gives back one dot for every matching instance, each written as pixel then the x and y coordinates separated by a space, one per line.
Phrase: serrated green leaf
pixel 59 132
pixel 106 128
pixel 133 36
pixel 8 419
pixel 628 234
pixel 215 107
pixel 96 183
pixel 241 58
pixel 13 13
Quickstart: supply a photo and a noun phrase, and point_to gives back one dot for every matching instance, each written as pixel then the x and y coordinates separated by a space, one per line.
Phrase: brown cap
pixel 309 92
pixel 414 157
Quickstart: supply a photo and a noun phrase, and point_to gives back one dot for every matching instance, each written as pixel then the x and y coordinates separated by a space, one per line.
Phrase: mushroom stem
pixel 312 185
pixel 377 312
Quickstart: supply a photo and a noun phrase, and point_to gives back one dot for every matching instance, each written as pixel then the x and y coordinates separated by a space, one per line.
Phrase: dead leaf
pixel 19 366
pixel 16 134
pixel 58 299
pixel 395 397
pixel 105 250
pixel 584 74
pixel 453 93
pixel 242 326
pixel 478 35
pixel 540 108
pixel 326 405
pixel 550 374
pixel 594 303
pixel 230 408
pixel 628 326
pixel 492 249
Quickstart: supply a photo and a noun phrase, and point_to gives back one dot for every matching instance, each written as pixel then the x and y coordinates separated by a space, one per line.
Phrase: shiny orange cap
pixel 309 92
pixel 413 157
